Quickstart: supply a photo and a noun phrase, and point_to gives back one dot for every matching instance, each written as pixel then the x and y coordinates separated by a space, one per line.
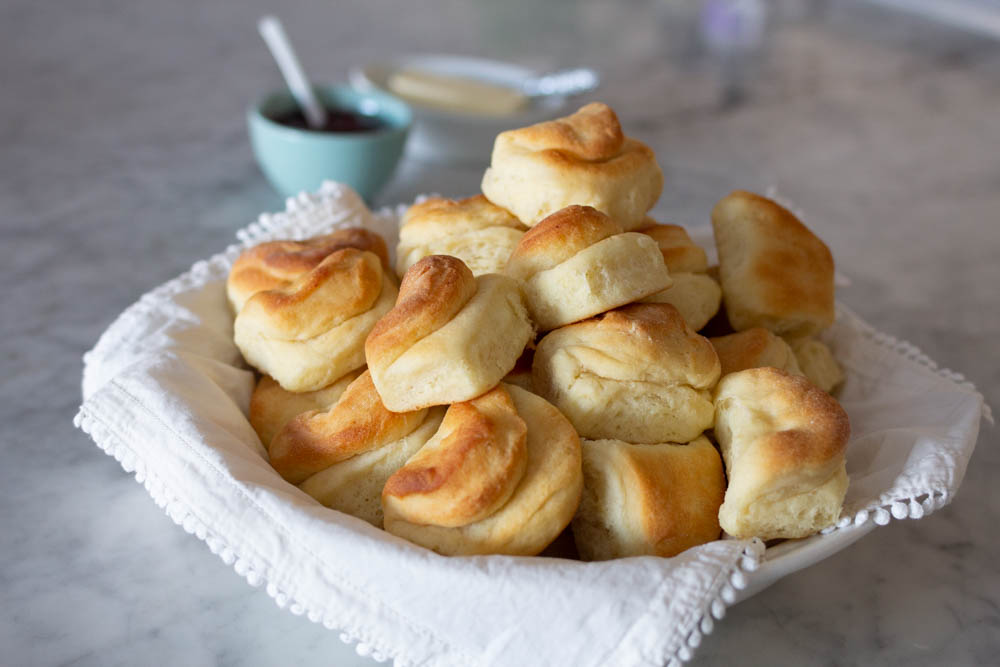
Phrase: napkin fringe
pixel 364 644
pixel 736 579
pixel 905 507
pixel 908 506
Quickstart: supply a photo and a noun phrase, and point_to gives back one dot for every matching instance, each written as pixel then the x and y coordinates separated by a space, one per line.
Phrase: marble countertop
pixel 125 159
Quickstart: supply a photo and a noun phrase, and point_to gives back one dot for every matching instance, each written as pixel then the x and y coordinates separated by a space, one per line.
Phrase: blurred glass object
pixel 733 34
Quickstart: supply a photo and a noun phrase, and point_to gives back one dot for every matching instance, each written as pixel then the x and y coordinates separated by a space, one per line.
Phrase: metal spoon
pixel 277 41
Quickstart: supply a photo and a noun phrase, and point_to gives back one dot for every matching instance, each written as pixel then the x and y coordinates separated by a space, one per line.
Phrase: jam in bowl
pixel 360 144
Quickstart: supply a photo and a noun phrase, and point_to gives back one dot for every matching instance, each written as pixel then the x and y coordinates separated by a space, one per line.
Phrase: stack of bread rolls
pixel 547 357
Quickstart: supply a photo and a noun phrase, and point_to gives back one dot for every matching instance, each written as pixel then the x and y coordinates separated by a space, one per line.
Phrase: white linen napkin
pixel 166 393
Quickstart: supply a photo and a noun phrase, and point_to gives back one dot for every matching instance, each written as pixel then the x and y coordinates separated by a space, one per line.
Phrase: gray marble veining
pixel 123 159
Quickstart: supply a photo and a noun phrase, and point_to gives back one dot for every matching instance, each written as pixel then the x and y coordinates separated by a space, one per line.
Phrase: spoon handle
pixel 274 36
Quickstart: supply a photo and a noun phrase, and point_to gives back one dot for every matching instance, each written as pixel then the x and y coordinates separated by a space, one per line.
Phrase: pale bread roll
pixel 648 500
pixel 774 272
pixel 502 476
pixel 783 441
pixel 577 263
pixel 477 232
pixel 310 333
pixel 754 348
pixel 582 159
pixel 271 407
pixel 694 293
pixel 521 373
pixel 343 455
pixel 817 363
pixel 637 374
pixel 277 263
pixel 450 337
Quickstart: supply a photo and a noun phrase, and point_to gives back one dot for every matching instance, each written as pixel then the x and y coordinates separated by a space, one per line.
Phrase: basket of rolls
pixel 531 426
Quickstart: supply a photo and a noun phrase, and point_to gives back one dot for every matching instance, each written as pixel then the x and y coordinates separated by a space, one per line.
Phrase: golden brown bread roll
pixel 277 263
pixel 450 337
pixel 582 159
pixel 783 441
pixel 343 455
pixel 695 294
pixel 775 273
pixel 577 263
pixel 501 476
pixel 680 253
pixel 477 232
pixel 648 500
pixel 271 407
pixel 754 348
pixel 637 374
pixel 817 362
pixel 310 333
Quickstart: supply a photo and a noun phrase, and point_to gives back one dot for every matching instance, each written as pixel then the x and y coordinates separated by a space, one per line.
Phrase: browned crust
pixel 789 269
pixel 829 427
pixel 660 326
pixel 818 428
pixel 271 406
pixel 358 422
pixel 471 436
pixel 277 263
pixel 680 253
pixel 470 471
pixel 679 491
pixel 592 134
pixel 347 282
pixel 432 291
pixel 650 340
pixel 557 238
pixel 475 209
pixel 744 349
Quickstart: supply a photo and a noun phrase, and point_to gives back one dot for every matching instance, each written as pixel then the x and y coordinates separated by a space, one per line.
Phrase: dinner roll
pixel 277 263
pixel 754 348
pixel 271 407
pixel 775 273
pixel 310 333
pixel 680 253
pixel 474 230
pixel 581 159
pixel 520 375
pixel 695 294
pixel 450 337
pixel 638 374
pixel 577 263
pixel 817 362
pixel 783 441
pixel 343 455
pixel 647 500
pixel 501 476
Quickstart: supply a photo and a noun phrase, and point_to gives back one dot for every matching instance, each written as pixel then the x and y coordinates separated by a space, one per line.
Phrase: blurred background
pixel 124 158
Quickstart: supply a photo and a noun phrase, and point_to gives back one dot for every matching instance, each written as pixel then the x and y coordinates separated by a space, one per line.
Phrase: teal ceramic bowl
pixel 295 159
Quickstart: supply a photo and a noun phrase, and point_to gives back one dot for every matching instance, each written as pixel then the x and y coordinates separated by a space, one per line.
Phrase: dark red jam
pixel 337 120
